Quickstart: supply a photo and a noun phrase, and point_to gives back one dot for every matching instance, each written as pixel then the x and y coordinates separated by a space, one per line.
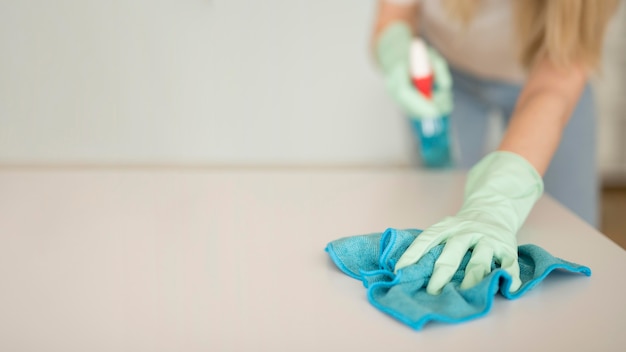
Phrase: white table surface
pixel 233 260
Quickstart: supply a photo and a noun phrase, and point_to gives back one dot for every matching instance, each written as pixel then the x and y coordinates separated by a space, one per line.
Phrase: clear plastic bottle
pixel 432 133
pixel 433 138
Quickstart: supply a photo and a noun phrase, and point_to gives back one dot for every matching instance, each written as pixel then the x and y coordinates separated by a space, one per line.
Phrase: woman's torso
pixel 485 47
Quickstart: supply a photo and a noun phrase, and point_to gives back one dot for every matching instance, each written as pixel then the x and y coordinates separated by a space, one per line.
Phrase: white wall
pixel 222 81
pixel 610 92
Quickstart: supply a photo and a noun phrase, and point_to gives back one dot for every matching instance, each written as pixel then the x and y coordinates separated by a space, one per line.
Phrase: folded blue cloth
pixel 372 258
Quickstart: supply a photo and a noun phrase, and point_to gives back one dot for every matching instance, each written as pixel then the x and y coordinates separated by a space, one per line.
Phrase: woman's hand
pixel 394 28
pixel 500 192
pixel 392 52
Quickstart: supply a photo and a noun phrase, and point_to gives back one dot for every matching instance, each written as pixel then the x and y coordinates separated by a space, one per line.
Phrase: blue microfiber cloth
pixel 372 258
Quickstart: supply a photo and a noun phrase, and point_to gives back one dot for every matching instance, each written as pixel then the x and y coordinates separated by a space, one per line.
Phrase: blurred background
pixel 227 82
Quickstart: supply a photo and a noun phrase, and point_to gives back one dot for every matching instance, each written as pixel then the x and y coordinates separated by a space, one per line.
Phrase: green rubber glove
pixel 392 51
pixel 500 192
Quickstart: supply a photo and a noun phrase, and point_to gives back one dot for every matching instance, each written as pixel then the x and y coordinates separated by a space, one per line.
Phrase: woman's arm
pixel 503 187
pixel 395 11
pixel 543 109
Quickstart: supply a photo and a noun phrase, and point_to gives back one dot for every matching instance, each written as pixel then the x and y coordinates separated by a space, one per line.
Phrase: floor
pixel 614 214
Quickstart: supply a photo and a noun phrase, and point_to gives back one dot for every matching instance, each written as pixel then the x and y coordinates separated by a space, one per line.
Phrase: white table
pixel 233 260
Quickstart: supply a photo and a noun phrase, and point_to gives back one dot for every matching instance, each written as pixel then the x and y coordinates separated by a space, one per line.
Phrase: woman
pixel 530 60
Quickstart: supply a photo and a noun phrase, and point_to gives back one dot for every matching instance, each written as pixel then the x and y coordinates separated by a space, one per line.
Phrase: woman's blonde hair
pixel 566 31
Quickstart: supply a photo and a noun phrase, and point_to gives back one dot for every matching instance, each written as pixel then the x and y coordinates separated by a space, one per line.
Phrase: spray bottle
pixel 432 131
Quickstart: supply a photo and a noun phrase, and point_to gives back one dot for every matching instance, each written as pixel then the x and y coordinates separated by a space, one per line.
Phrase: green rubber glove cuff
pixel 392 47
pixel 502 187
